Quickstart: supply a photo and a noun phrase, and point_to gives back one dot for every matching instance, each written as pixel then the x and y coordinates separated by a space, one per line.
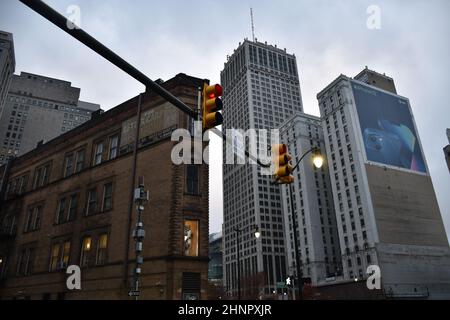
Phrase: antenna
pixel 253 26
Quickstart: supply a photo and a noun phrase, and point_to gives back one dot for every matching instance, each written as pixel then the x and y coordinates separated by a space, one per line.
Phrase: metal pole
pixel 238 264
pixel 132 186
pixel 140 197
pixel 297 260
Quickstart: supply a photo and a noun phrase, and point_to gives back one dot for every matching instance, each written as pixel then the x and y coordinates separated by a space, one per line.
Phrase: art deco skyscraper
pixel 387 211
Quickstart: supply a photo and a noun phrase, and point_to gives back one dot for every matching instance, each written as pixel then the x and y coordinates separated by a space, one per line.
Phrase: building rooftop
pixel 179 79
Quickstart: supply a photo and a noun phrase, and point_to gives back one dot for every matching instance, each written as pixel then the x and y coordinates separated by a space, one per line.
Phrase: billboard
pixel 387 128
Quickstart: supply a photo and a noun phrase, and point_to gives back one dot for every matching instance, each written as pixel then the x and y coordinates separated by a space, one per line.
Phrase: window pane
pixel 80 160
pixel 113 147
pixel 69 165
pixel 98 153
pixel 37 218
pixel 192 185
pixel 54 257
pixel 72 207
pixel 107 197
pixel 92 201
pixel 60 218
pixel 29 220
pixel 102 249
pixel 85 250
pixel 66 253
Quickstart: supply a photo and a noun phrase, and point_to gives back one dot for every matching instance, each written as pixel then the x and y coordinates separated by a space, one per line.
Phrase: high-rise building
pixel 376 79
pixel 39 108
pixel 7 65
pixel 215 267
pixel 317 234
pixel 387 211
pixel 261 90
pixel 447 150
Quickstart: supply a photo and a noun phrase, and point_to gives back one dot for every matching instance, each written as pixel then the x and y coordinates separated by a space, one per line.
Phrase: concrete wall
pixel 414 271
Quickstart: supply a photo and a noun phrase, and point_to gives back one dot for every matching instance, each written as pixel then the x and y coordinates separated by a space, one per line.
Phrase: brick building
pixel 67 202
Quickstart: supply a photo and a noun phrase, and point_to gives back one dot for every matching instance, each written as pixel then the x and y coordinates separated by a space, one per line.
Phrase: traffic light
pixel 281 160
pixel 211 105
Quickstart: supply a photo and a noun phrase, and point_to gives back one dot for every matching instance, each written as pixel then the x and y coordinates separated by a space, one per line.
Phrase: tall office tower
pixel 317 234
pixel 7 65
pixel 261 89
pixel 447 150
pixel 386 209
pixel 39 108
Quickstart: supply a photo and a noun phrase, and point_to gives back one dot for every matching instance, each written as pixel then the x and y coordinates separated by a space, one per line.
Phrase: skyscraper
pixel 386 208
pixel 7 65
pixel 261 90
pixel 447 150
pixel 317 233
pixel 39 108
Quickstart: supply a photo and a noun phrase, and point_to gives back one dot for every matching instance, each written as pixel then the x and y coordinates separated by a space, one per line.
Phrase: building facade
pixel 38 109
pixel 215 269
pixel 261 89
pixel 317 234
pixel 68 203
pixel 447 150
pixel 376 79
pixel 386 208
pixel 7 65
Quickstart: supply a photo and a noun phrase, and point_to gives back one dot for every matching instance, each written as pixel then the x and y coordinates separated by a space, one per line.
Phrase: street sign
pixel 133 293
pixel 281 285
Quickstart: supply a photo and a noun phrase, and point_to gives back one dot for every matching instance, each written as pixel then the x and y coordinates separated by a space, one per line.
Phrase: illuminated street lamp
pixel 257 234
pixel 317 159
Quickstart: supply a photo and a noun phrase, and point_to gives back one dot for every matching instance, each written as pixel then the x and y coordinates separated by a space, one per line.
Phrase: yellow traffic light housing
pixel 281 159
pixel 212 104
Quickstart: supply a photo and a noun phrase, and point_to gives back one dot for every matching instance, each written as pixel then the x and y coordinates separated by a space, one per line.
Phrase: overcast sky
pixel 163 38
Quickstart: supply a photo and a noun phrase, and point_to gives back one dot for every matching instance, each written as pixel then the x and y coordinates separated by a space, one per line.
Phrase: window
pixel 85 251
pixel 192 179
pixel 69 166
pixel 98 153
pixel 25 262
pixel 191 231
pixel 80 161
pixel 54 258
pixel 73 206
pixel 60 216
pixel 107 197
pixel 33 221
pixel 113 146
pixel 41 176
pixel 102 246
pixel 91 202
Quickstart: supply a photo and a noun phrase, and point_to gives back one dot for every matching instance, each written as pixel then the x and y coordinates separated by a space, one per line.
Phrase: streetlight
pixel 257 234
pixel 318 163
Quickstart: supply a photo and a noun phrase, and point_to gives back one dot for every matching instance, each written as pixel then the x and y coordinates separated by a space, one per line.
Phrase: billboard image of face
pixel 387 129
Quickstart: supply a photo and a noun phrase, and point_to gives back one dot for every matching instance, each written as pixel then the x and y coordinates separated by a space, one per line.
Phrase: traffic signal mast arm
pixel 63 23
pixel 281 159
